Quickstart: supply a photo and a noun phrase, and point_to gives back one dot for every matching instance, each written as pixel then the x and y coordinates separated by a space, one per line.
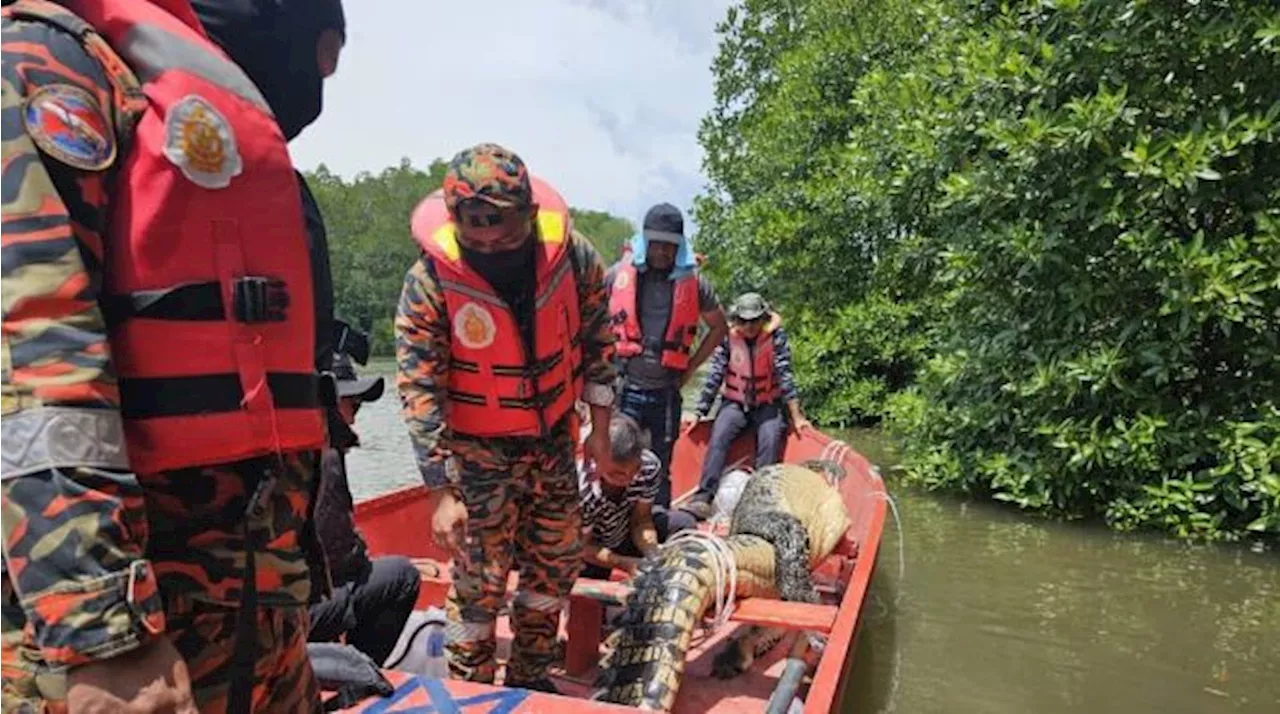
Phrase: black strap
pixel 256 299
pixel 153 397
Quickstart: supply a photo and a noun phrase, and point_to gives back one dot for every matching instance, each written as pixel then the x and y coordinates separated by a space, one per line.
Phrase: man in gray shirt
pixel 657 300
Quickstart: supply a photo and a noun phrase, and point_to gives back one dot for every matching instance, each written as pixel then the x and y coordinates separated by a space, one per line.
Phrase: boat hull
pixel 399 523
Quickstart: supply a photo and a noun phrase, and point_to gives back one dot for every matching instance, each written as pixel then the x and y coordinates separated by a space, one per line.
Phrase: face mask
pixel 274 42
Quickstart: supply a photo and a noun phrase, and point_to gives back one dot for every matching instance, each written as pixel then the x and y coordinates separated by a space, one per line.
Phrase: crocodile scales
pixel 787 520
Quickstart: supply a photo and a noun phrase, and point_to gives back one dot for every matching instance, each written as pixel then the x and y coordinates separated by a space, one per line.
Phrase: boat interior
pixel 388 523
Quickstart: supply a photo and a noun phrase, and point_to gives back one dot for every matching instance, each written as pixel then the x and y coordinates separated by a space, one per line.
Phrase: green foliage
pixel 370 248
pixel 607 232
pixel 1058 220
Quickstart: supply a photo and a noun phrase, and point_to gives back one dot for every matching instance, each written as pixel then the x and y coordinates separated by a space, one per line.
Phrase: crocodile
pixel 787 520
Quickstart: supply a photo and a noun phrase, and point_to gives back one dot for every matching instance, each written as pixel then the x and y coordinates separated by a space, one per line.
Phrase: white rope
pixel 902 548
pixel 723 563
pixel 826 451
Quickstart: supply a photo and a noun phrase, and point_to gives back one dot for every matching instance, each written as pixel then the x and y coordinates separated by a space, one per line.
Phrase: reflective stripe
pixel 40 439
pixel 547 292
pixel 467 631
pixel 553 282
pixel 472 293
pixel 539 602
pixel 152 51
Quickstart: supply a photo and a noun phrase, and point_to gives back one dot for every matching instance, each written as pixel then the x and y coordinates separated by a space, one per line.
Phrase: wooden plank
pixel 790 615
pixel 585 630
pixel 766 612
pixel 753 610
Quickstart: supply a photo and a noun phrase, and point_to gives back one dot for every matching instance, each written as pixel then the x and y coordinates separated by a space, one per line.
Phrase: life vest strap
pixel 256 299
pixel 155 397
pixel 539 401
pixel 534 370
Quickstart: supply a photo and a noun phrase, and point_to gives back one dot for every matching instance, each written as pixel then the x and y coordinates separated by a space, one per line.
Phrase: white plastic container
pixel 420 649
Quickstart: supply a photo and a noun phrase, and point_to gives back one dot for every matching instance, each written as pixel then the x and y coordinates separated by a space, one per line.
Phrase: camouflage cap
pixel 489 173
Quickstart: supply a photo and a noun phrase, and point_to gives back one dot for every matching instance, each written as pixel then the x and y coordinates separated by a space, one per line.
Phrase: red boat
pixel 398 523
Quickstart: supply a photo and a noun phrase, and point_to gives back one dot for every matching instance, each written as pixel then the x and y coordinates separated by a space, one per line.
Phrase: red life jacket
pixel 494 390
pixel 750 368
pixel 682 324
pixel 207 291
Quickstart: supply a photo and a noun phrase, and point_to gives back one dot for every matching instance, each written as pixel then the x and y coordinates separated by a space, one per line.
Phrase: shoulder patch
pixel 67 123
pixel 200 142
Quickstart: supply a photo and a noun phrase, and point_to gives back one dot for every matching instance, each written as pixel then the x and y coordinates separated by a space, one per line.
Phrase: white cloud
pixel 602 97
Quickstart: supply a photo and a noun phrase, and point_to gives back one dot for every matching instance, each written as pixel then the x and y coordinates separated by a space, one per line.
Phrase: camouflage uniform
pixel 100 560
pixel 521 493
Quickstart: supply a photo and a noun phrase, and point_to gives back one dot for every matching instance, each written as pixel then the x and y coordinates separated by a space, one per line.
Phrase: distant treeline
pixel 370 247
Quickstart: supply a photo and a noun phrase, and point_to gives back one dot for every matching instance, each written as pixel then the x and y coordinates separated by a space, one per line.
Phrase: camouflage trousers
pixel 204 634
pixel 195 541
pixel 523 511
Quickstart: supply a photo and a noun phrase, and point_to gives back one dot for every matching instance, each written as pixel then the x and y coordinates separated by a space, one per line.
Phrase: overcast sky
pixel 601 97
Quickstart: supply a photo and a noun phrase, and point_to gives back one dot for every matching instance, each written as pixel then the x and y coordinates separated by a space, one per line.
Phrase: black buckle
pixel 260 299
pixel 350 341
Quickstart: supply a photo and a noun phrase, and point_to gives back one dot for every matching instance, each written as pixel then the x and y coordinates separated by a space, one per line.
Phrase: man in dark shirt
pixel 372 598
pixel 657 299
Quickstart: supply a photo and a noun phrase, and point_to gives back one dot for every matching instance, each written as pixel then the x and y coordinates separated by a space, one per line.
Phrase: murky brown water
pixel 1001 614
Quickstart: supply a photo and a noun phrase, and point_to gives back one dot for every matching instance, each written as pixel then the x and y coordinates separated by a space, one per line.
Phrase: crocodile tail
pixel 646 651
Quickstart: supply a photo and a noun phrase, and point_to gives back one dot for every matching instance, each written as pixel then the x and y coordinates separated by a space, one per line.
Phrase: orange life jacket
pixel 682 324
pixel 494 389
pixel 751 370
pixel 207 280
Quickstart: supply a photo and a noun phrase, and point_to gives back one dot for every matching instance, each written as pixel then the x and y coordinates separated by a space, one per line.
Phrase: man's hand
pixel 152 679
pixel 802 426
pixel 598 447
pixel 627 563
pixel 688 424
pixel 448 520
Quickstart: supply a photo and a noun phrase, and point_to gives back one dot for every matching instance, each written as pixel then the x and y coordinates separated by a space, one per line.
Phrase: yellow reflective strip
pixel 551 226
pixel 446 237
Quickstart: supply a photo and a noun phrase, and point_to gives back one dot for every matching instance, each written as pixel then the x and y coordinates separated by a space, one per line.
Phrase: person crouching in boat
pixel 752 371
pixel 502 325
pixel 620 523
pixel 372 598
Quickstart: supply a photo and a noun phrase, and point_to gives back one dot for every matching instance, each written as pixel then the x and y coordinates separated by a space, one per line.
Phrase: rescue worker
pixel 753 365
pixel 162 414
pixel 502 324
pixel 656 300
pixel 372 597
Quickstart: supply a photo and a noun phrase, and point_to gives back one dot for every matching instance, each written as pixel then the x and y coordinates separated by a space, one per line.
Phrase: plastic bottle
pixel 435 665
pixel 420 649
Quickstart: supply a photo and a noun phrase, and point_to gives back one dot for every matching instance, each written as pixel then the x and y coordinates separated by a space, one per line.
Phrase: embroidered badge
pixel 199 141
pixel 473 326
pixel 67 123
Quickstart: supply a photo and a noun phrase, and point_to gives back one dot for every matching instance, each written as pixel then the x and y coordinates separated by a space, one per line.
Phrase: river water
pixel 998 613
